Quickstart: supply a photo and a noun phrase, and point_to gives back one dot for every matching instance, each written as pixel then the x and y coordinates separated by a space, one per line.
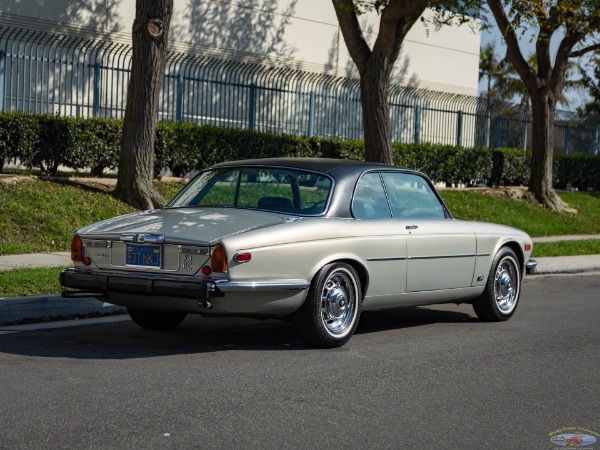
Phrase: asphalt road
pixel 421 378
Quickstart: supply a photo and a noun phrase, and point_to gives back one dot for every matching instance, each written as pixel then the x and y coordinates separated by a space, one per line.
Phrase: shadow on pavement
pixel 125 340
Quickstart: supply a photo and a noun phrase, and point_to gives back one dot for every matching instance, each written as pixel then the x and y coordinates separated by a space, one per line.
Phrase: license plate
pixel 143 255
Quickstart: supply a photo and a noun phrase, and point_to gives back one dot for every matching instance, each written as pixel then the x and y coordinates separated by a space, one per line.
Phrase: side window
pixel 411 197
pixel 369 198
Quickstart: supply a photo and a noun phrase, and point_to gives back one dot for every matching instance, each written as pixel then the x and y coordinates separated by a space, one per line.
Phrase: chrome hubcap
pixel 506 286
pixel 338 302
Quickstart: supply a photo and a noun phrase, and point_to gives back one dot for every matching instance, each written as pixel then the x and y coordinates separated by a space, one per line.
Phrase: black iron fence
pixel 50 73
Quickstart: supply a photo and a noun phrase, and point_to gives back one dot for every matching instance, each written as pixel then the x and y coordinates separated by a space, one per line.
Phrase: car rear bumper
pixel 192 294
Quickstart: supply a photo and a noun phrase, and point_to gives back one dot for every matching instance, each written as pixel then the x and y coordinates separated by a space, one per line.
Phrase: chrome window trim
pixel 244 166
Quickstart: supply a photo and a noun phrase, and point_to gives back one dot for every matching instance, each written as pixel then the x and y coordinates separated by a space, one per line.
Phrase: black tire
pixel 500 298
pixel 330 313
pixel 156 320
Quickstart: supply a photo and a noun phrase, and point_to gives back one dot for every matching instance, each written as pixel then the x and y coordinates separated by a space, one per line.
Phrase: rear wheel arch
pixel 361 270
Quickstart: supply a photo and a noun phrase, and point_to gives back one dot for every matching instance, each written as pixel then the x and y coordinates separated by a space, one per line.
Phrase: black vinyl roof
pixel 324 165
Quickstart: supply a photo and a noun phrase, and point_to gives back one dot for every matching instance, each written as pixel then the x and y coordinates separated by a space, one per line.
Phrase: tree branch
pixel 584 50
pixel 396 20
pixel 353 37
pixel 514 52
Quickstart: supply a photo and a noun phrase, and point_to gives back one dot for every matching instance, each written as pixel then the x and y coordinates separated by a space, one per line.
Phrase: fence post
pixel 96 101
pixel 417 124
pixel 499 133
pixel 179 110
pixel 567 138
pixel 459 126
pixel 251 107
pixel 2 79
pixel 311 115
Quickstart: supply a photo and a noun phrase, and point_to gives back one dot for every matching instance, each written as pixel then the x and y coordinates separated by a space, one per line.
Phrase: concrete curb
pixel 39 306
pixel 567 264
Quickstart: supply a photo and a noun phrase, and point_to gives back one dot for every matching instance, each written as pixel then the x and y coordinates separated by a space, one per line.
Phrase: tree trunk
pixel 540 181
pixel 374 88
pixel 136 162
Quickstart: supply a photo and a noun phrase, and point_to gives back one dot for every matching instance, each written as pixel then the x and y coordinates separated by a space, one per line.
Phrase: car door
pixel 382 242
pixel 441 252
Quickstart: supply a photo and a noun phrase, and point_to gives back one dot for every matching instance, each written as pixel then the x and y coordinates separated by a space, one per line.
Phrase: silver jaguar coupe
pixel 314 240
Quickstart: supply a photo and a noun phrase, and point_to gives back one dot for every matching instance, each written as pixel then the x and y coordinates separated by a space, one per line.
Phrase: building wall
pixel 302 33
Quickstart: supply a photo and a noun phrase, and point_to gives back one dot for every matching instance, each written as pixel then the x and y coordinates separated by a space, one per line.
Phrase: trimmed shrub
pixel 577 171
pixel 45 142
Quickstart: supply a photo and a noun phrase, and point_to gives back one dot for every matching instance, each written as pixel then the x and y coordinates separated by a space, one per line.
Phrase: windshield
pixel 271 189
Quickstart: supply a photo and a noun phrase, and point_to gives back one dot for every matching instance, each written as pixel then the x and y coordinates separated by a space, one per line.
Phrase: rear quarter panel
pixel 298 250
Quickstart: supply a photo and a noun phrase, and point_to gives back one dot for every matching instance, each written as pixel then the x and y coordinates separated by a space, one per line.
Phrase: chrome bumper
pixel 530 266
pixel 102 284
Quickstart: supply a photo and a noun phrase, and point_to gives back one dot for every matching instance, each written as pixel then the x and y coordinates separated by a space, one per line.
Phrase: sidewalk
pixel 53 305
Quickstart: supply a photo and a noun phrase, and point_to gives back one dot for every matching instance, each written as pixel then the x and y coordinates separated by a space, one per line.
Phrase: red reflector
pixel 528 247
pixel 242 257
pixel 206 270
pixel 87 261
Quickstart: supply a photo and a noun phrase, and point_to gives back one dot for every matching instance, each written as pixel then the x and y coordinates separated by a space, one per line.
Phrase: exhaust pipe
pixel 205 304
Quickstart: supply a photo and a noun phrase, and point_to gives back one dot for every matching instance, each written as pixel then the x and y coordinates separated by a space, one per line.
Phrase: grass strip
pixel 22 282
pixel 567 248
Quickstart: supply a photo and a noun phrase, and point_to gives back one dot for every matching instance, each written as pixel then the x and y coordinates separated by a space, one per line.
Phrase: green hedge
pixel 45 142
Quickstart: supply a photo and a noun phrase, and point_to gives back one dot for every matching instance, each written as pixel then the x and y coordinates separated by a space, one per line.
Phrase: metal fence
pixel 57 74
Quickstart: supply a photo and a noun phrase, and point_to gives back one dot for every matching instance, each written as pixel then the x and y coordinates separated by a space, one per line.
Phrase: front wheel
pixel 156 320
pixel 330 313
pixel 499 300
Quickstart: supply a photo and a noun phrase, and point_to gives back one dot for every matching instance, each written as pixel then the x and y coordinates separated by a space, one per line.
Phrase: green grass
pixel 21 282
pixel 567 248
pixel 534 220
pixel 40 216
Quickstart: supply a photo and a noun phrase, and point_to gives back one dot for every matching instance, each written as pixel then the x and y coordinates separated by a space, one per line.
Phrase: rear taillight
pixel 77 249
pixel 218 259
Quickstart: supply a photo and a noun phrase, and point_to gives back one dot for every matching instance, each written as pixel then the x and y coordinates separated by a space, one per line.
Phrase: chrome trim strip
pixel 93 243
pixel 233 286
pixel 444 256
pixel 391 258
pixel 142 238
pixel 194 250
pixel 401 258
pixel 151 238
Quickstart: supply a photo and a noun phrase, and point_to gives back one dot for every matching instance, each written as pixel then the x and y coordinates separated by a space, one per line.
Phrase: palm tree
pixel 512 87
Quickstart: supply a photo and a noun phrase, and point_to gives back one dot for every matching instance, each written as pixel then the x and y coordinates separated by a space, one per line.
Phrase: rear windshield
pixel 271 189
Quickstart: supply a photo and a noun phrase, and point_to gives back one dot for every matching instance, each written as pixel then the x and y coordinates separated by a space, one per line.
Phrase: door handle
pixel 412 227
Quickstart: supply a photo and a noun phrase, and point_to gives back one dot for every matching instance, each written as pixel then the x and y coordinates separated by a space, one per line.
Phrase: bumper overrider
pixel 102 285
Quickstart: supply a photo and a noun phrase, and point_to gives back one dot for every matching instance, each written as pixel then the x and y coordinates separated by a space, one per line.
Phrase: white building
pixel 299 36
pixel 446 60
